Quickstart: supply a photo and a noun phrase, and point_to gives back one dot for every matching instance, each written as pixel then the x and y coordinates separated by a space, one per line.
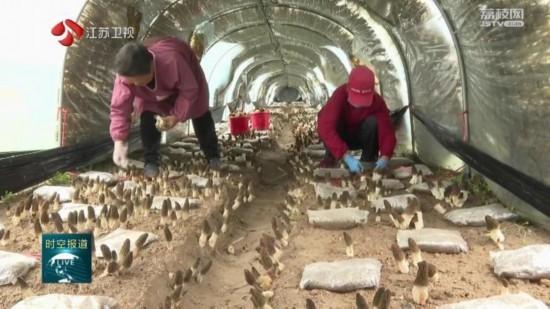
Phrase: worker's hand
pixel 382 163
pixel 353 164
pixel 166 123
pixel 120 154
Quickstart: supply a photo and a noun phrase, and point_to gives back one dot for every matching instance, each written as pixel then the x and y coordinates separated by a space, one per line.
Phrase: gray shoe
pixel 215 163
pixel 151 170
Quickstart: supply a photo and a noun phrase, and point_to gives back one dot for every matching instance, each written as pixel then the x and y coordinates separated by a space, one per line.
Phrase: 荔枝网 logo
pixel 67 258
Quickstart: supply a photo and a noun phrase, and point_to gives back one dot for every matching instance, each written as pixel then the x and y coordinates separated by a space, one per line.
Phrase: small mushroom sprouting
pixel 205 233
pixel 400 259
pixel 416 254
pixel 437 190
pixel 349 245
pixel 440 208
pixel 204 268
pixel 494 232
pixel 139 244
pixel 168 237
pixel 360 302
pixel 214 236
pixel 420 292
pixel 382 298
pixel 311 305
pixel 5 238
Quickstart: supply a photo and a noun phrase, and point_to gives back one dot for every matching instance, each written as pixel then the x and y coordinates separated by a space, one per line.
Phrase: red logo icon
pixel 59 29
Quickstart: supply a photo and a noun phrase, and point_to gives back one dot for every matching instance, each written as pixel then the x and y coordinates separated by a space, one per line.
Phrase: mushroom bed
pixel 244 239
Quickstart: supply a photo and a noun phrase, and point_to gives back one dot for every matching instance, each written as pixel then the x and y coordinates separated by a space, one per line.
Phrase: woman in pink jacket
pixel 160 77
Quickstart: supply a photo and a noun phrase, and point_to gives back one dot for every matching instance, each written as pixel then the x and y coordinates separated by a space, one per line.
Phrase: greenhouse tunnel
pixel 470 89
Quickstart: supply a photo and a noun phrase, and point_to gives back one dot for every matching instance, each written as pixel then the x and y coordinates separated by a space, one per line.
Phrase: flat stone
pixel 67 208
pixel 402 172
pixel 67 301
pixel 325 190
pixel 116 238
pixel 159 199
pixel 14 265
pixel 392 184
pixel 509 301
pixel 102 176
pixel 190 139
pixel 185 145
pixel 340 218
pixel 426 171
pixel 396 201
pixel 342 276
pixel 65 192
pixel 475 216
pixel 529 262
pixel 331 172
pixel 179 151
pixel 433 240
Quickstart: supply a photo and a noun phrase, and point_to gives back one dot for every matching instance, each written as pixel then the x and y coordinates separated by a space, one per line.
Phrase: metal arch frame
pixel 317 86
pixel 291 70
pixel 271 82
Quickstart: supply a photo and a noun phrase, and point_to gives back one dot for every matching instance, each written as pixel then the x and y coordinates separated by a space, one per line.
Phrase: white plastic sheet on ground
pixel 331 172
pixel 116 238
pixel 392 184
pixel 65 192
pixel 159 199
pixel 325 190
pixel 64 301
pixel 14 265
pixel 201 181
pixel 402 172
pixel 509 301
pixel 103 176
pixel 529 262
pixel 341 218
pixel 420 187
pixel 475 216
pixel 396 201
pixel 67 208
pixel 433 240
pixel 342 276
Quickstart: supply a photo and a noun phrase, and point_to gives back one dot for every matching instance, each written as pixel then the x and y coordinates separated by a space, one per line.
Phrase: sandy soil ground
pixel 463 276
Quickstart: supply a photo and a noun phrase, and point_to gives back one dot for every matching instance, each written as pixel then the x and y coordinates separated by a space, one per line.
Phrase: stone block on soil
pixel 402 172
pixel 392 184
pixel 433 240
pixel 325 190
pixel 67 208
pixel 396 201
pixel 65 192
pixel 342 276
pixel 14 265
pixel 400 161
pixel 509 301
pixel 332 172
pixel 475 216
pixel 159 199
pixel 529 262
pixel 116 238
pixel 341 218
pixel 102 176
pixel 67 301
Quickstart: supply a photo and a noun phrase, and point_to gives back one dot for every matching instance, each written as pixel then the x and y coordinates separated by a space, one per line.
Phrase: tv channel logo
pixel 67 258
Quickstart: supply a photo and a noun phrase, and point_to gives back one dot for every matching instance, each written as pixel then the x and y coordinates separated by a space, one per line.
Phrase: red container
pixel 239 125
pixel 260 120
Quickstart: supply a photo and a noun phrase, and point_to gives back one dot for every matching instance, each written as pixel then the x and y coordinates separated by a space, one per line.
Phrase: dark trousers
pixel 366 139
pixel 204 130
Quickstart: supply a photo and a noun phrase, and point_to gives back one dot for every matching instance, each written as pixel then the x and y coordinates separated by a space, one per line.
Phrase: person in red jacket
pixel 356 117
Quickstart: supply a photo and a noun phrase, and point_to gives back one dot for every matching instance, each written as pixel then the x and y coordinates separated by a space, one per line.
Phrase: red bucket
pixel 260 120
pixel 238 125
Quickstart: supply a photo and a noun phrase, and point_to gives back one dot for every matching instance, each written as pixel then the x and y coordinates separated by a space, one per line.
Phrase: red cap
pixel 361 86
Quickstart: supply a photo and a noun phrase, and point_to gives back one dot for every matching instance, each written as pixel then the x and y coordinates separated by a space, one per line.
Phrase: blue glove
pixel 353 164
pixel 381 164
